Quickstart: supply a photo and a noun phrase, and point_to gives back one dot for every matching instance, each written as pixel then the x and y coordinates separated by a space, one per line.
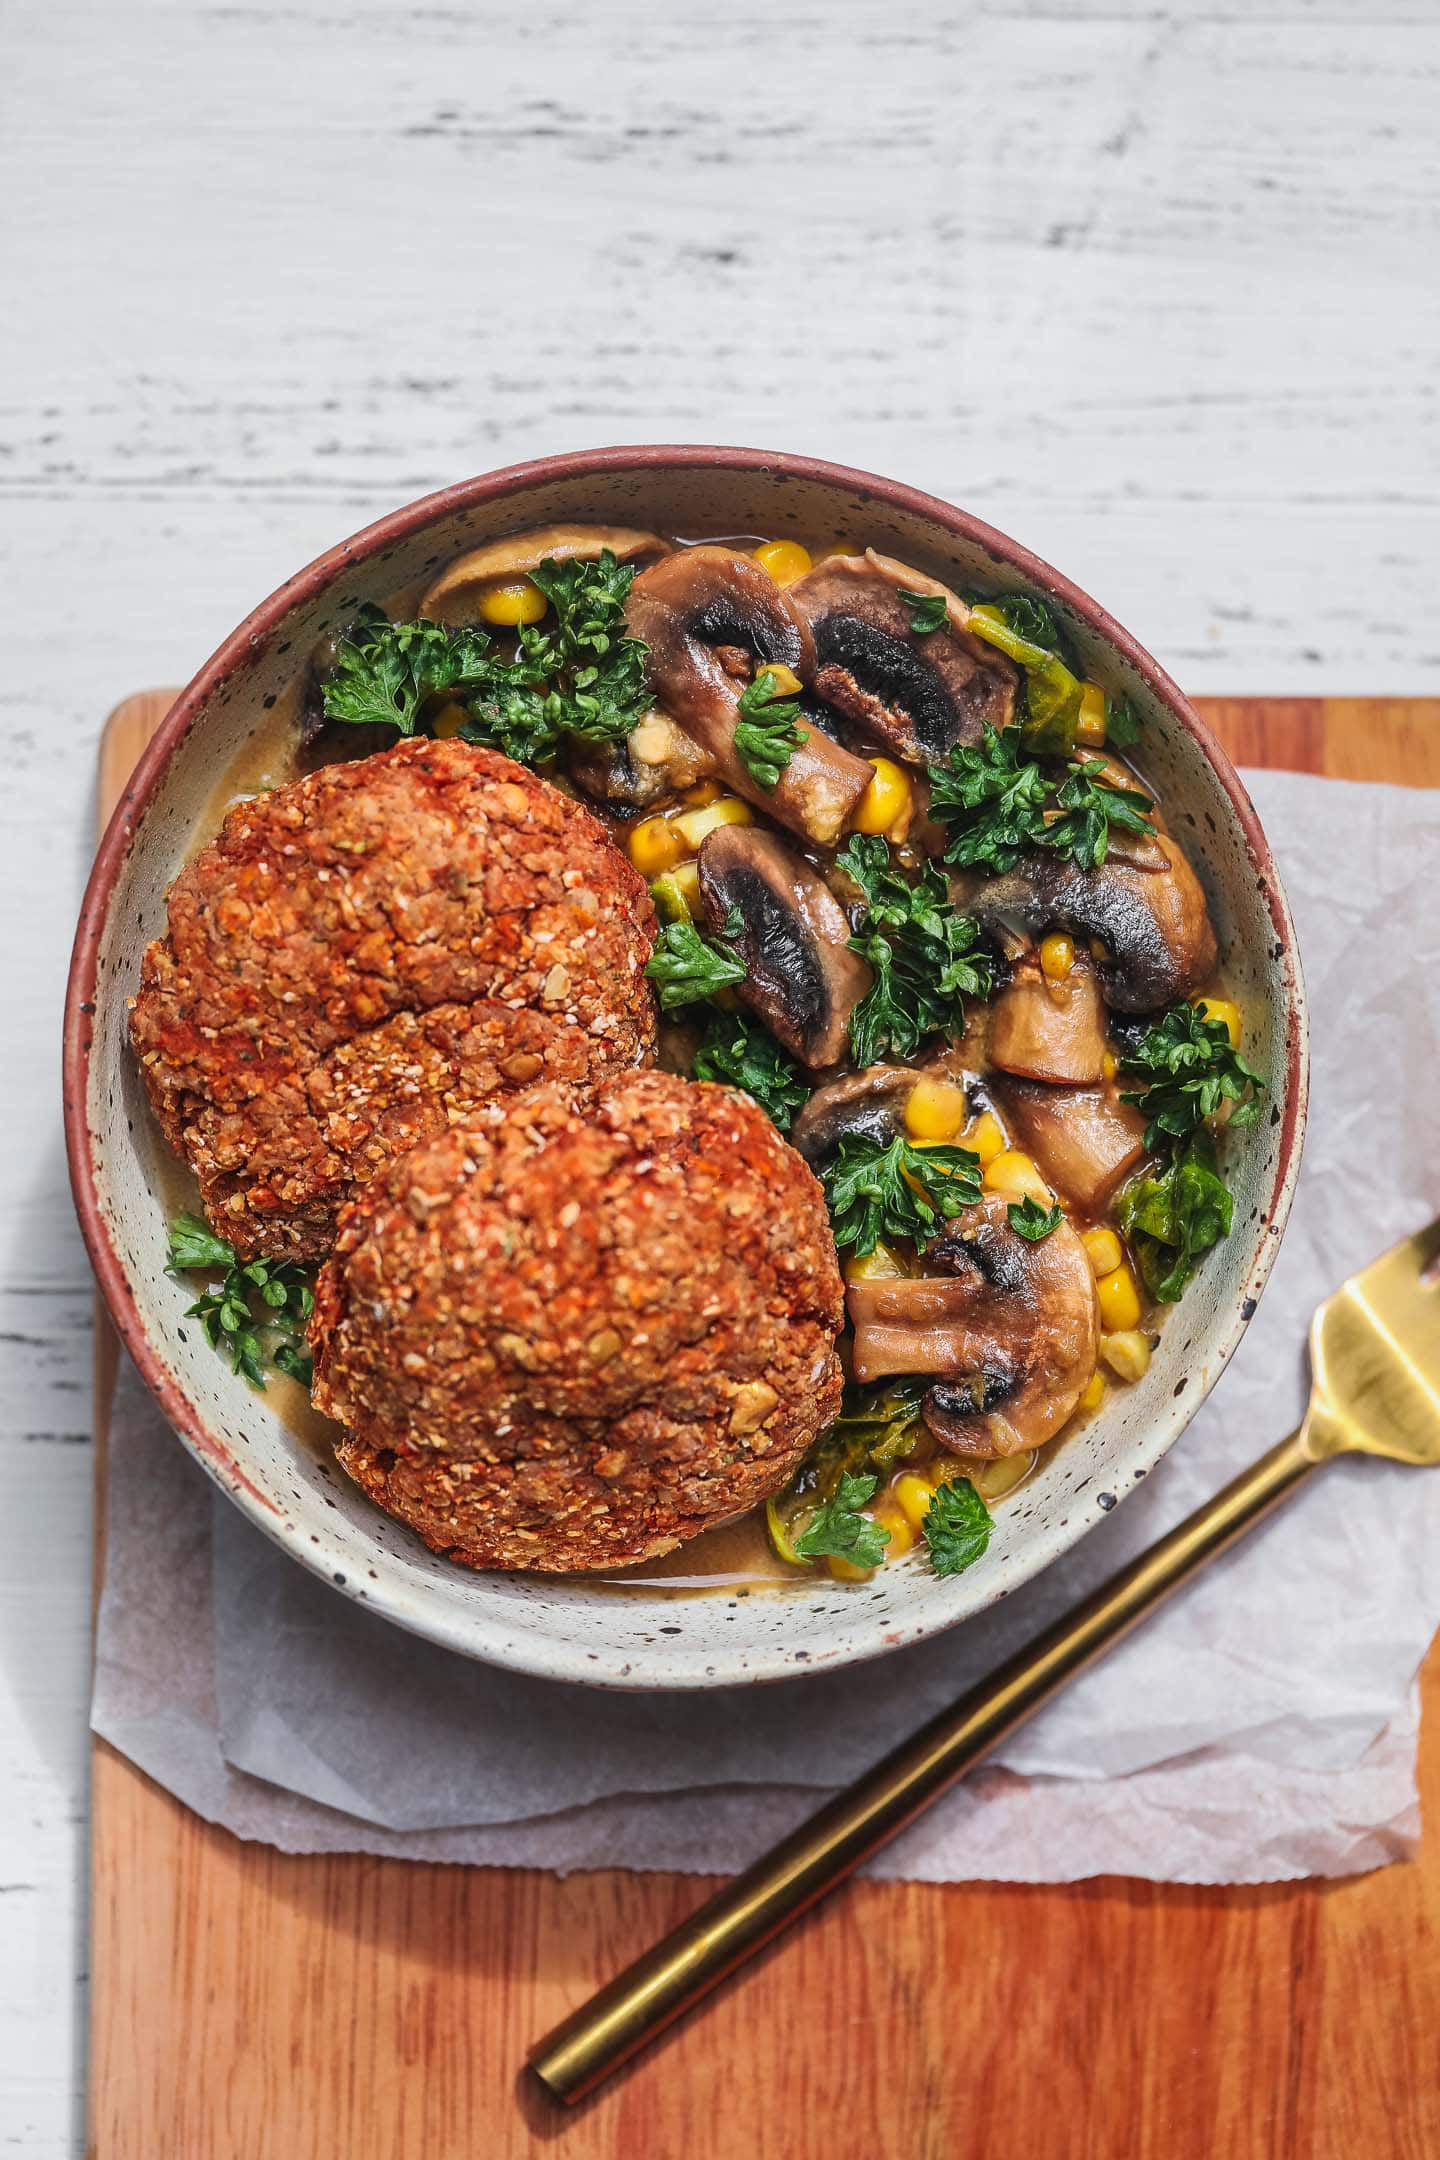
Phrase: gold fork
pixel 1375 1390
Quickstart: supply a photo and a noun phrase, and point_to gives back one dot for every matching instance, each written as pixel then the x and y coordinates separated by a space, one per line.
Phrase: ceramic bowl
pixel 570 1629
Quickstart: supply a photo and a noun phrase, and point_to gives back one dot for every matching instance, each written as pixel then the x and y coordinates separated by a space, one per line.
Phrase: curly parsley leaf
pixel 384 672
pixel 997 803
pixel 577 674
pixel 1089 804
pixel 1026 630
pixel 990 800
pixel 687 966
pixel 956 1526
pixel 1174 1215
pixel 878 1190
pixel 1190 1068
pixel 926 956
pixel 227 1312
pixel 743 1053
pixel 927 610
pixel 877 1426
pixel 838 1530
pixel 766 734
pixel 582 652
pixel 1031 1221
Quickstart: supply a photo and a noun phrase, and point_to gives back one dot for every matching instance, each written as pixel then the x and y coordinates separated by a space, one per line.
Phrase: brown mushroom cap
pixel 866 1105
pixel 919 695
pixel 452 597
pixel 800 975
pixel 1011 1327
pixel 1155 922
pixel 703 612
pixel 1047 1030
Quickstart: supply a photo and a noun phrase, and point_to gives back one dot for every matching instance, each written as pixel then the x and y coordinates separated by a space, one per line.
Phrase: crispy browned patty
pixel 369 953
pixel 571 1334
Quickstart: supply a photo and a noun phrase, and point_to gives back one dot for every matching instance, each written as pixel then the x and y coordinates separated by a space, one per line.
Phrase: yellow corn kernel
pixel 1093 1392
pixel 890 1518
pixel 449 721
pixel 1108 1065
pixel 1057 956
pixel 886 801
pixel 1090 727
pixel 785 560
pixel 1014 1174
pixel 1105 1250
pixel 1119 1300
pixel 654 846
pixel 880 1265
pixel 511 604
pixel 986 1138
pixel 935 1110
pixel 692 825
pixel 784 682
pixel 686 876
pixel 912 1495
pixel 846 1570
pixel 1212 1008
pixel 1127 1353
pixel 704 791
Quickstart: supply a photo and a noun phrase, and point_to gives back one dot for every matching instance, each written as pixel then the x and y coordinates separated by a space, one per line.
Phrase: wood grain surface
pixel 249 2003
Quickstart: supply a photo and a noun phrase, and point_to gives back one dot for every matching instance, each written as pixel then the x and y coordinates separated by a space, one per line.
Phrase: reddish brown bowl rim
pixel 245 644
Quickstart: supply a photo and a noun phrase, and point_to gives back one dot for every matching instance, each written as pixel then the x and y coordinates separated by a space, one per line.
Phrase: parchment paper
pixel 1263 1727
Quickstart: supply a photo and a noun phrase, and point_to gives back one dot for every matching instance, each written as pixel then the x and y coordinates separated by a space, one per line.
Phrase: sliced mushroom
pixel 800 975
pixel 703 608
pixel 452 597
pixel 1085 1140
pixel 1049 1030
pixel 1012 1329
pixel 917 693
pixel 867 1105
pixel 1154 923
pixel 654 763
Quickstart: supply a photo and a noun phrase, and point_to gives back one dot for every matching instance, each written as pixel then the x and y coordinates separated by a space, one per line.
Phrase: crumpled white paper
pixel 1262 1727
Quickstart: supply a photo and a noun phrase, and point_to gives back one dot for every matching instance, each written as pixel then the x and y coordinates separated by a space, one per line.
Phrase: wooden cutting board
pixel 245 2003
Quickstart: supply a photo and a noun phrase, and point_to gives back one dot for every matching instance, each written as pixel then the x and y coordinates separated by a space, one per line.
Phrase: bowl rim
pixel 544 1658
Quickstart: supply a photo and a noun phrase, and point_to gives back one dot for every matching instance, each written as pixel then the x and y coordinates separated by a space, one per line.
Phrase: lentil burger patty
pixel 575 1331
pixel 363 955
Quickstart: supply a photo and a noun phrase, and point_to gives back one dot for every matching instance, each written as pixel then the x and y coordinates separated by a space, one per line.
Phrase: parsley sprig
pixel 1179 1207
pixel 766 734
pixel 743 1053
pixel 1190 1068
pixel 927 610
pixel 956 1526
pixel 275 1334
pixel 927 957
pixel 1031 1221
pixel 687 966
pixel 576 674
pixel 997 803
pixel 839 1530
pixel 385 672
pixel 884 1190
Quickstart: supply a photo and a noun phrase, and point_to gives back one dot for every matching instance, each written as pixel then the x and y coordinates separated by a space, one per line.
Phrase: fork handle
pixel 756 1906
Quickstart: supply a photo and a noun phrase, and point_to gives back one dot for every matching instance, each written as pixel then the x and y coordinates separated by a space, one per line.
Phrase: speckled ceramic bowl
pixel 570 1629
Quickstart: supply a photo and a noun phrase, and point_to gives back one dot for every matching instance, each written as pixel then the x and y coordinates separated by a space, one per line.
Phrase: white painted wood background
pixel 1152 287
